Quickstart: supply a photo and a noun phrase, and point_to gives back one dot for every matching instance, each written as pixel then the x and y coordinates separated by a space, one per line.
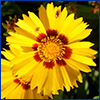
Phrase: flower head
pixel 53 51
pixel 13 87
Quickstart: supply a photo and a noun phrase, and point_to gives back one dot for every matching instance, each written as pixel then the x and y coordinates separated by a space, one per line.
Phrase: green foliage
pixel 89 89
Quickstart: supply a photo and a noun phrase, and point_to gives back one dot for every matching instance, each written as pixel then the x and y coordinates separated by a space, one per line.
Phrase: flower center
pixel 50 48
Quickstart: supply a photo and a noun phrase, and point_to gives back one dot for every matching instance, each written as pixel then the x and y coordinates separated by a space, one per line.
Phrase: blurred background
pixel 89 10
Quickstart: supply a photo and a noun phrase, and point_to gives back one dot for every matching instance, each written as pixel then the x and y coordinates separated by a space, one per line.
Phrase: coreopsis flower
pixel 13 87
pixel 54 52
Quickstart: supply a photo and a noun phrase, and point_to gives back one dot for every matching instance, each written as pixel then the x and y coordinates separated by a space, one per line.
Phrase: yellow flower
pixel 13 87
pixel 54 53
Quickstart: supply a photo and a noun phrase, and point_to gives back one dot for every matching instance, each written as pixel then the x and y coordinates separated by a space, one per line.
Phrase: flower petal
pixel 84 44
pixel 50 15
pixel 62 17
pixel 25 33
pixel 78 65
pixel 37 22
pixel 81 36
pixel 83 59
pixel 81 27
pixel 39 77
pixel 68 21
pixel 85 52
pixel 43 17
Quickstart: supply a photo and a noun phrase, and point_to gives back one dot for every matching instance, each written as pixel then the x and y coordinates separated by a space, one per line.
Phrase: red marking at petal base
pixel 63 38
pixel 36 57
pixel 25 86
pixel 35 46
pixel 68 53
pixel 40 37
pixel 48 64
pixel 61 62
pixel 51 32
pixel 17 81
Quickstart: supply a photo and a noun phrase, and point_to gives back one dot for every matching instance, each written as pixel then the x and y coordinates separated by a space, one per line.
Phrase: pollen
pixel 50 49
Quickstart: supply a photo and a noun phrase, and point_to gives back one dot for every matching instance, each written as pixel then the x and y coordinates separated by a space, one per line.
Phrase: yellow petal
pixel 15 41
pixel 15 94
pixel 5 62
pixel 37 22
pixel 56 85
pixel 22 24
pixel 22 57
pixel 57 14
pixel 23 38
pixel 80 78
pixel 21 64
pixel 39 77
pixel 50 15
pixel 6 74
pixel 59 76
pixel 43 17
pixel 28 21
pixel 67 23
pixel 72 74
pixel 5 65
pixel 78 65
pixel 62 17
pixel 26 68
pixel 84 44
pixel 6 84
pixel 83 59
pixel 65 78
pixel 73 25
pixel 85 33
pixel 8 54
pixel 25 33
pixel 28 94
pixel 84 51
pixel 7 90
pixel 81 27
pixel 48 83
pixel 15 51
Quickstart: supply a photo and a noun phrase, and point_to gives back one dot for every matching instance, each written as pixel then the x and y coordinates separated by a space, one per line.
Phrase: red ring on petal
pixel 68 53
pixel 63 38
pixel 40 37
pixel 36 57
pixel 35 47
pixel 51 32
pixel 61 62
pixel 25 86
pixel 49 65
pixel 17 81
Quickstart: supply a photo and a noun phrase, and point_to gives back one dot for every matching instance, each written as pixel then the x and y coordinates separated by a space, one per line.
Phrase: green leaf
pixel 83 8
pixel 9 8
pixel 85 11
pixel 6 34
pixel 81 93
pixel 59 96
pixel 57 3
